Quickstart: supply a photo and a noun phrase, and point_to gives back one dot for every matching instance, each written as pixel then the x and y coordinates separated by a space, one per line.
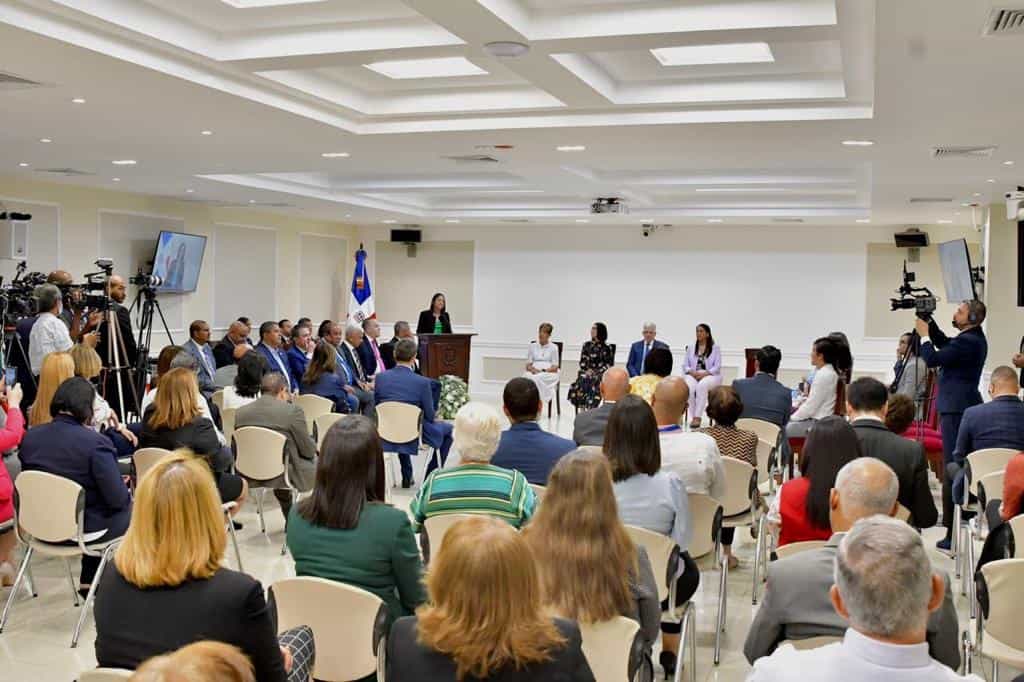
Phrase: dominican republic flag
pixel 360 303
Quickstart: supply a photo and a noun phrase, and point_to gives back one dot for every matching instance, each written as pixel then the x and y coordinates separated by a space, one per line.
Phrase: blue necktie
pixel 344 366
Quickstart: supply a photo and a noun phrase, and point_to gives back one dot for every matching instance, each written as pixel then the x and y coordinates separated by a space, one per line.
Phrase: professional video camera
pixel 141 279
pixel 919 299
pixel 17 299
pixel 92 293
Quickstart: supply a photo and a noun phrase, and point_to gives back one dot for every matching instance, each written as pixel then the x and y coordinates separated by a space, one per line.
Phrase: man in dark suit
pixel 960 361
pixel 300 352
pixel 590 424
pixel 348 366
pixel 233 346
pixel 403 385
pixel 762 395
pixel 198 346
pixel 369 350
pixel 866 400
pixel 127 357
pixel 387 350
pixel 526 447
pixel 639 350
pixel 270 347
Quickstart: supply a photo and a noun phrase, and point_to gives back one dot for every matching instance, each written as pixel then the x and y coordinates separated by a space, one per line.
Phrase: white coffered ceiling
pixel 279 83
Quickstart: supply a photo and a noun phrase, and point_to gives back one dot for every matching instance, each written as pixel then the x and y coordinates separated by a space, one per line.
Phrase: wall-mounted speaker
pixel 14 239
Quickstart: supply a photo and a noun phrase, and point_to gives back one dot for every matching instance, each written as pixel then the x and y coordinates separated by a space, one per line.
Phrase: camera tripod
pixel 146 303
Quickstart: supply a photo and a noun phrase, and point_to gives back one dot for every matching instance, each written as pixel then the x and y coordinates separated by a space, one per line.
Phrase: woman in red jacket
pixel 10 436
pixel 800 510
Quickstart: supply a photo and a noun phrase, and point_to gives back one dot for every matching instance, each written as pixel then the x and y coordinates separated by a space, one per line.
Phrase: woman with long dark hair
pixel 595 359
pixel 321 379
pixel 801 508
pixel 821 401
pixel 343 531
pixel 246 387
pixel 702 372
pixel 435 319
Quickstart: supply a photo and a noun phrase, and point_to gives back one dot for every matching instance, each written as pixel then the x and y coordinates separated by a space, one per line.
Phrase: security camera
pixel 646 231
pixel 1013 202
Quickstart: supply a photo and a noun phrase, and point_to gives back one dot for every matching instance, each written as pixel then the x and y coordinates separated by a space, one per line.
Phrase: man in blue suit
pixel 960 361
pixel 198 346
pixel 526 447
pixel 270 347
pixel 300 352
pixel 403 385
pixel 639 350
pixel 762 395
pixel 360 400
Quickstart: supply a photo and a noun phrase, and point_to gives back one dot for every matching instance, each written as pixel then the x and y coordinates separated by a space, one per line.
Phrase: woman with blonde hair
pixel 57 368
pixel 167 586
pixel 199 662
pixel 590 569
pixel 174 421
pixel 485 619
pixel 88 366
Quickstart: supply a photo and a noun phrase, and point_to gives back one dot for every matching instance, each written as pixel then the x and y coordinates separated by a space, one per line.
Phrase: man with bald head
pixel 233 346
pixel 797 603
pixel 590 424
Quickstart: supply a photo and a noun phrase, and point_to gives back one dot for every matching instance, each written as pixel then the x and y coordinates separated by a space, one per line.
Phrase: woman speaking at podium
pixel 435 320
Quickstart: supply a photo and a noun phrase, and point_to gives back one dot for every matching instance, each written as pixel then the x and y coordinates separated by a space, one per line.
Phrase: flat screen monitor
pixel 178 259
pixel 956 271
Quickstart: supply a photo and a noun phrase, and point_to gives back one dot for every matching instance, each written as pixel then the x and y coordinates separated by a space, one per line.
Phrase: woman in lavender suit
pixel 702 372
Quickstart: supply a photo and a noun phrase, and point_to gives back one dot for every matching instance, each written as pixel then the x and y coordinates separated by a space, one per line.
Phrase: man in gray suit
pixel 273 411
pixel 590 424
pixel 866 401
pixel 797 603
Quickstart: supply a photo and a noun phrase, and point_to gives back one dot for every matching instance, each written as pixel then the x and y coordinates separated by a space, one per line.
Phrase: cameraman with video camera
pixel 960 361
pixel 117 292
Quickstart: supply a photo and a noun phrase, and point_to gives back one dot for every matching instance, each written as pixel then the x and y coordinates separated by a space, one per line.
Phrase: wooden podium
pixel 442 354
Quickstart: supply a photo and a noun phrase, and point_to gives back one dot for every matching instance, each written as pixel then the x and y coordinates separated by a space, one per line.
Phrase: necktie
pixel 344 366
pixel 376 355
pixel 643 365
pixel 358 365
pixel 203 350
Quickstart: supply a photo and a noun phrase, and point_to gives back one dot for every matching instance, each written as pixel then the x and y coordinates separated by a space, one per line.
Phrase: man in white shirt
pixel 885 588
pixel 693 456
pixel 49 333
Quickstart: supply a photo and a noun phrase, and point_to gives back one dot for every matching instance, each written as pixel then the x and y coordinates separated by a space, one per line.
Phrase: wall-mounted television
pixel 178 260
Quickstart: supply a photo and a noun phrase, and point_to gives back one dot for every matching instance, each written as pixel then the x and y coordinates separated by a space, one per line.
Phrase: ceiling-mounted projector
pixel 608 205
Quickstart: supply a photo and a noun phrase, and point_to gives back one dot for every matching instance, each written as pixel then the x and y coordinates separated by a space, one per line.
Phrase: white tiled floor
pixel 35 645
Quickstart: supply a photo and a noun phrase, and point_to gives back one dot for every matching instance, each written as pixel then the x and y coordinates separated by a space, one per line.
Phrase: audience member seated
pixel 884 589
pixel 542 363
pixel 167 586
pixel 763 397
pixel 182 360
pixel 88 365
pixel 724 409
pixel 800 508
pixel 387 350
pixel 198 346
pixel 657 366
pixel 175 420
pixel 349 350
pixel 270 347
pixel 913 383
pixel 345 532
pixel 526 447
pixel 435 320
pixel 246 387
pixel 475 486
pixel 286 327
pixel 67 446
pixel 56 369
pixel 49 333
pixel 998 423
pixel 821 401
pixel 796 601
pixel 596 358
pixel 899 414
pixel 233 346
pixel 702 372
pixel 651 498
pixel 272 410
pixel 866 401
pixel 198 662
pixel 636 364
pixel 844 358
pixel 369 350
pixel 300 352
pixel 347 373
pixel 10 436
pixel 1012 502
pixel 403 385
pixel 485 618
pixel 590 570
pixel 247 328
pixel 590 424
pixel 322 379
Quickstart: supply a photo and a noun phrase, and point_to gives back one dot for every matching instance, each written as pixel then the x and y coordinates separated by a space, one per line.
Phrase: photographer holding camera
pixel 960 361
pixel 48 333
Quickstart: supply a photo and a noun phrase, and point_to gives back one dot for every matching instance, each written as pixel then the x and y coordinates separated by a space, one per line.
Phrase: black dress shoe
pixel 406 482
pixel 667 659
pixel 237 525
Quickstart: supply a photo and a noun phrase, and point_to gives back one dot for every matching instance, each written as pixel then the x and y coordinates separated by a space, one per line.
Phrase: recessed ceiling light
pixel 189 191
pixel 348 215
pixel 506 49
pixel 252 201
pixel 582 220
pixel 506 191
pixel 857 143
pixel 389 222
pixel 440 67
pixel 206 132
pixel 761 190
pixel 733 53
pixel 117 179
pixel 991 180
pixel 714 220
pixel 864 220
pixel 944 222
pixel 571 148
pixel 1007 163
pixel 78 100
pixel 45 140
pixel 977 194
pixel 451 220
pixel 335 155
pixel 23 164
pixel 124 162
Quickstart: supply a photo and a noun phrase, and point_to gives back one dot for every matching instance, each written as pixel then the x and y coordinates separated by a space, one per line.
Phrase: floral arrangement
pixel 454 394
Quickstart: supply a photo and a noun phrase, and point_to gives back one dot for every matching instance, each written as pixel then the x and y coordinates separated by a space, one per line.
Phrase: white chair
pixel 902 513
pixel 1017 530
pixel 51 512
pixel 767 450
pixel 144 459
pixel 979 464
pixel 105 675
pixel 322 424
pixel 794 548
pixel 811 642
pixel 401 423
pixel 608 647
pixel 313 406
pixel 260 456
pixel 998 635
pixel 218 398
pixel 227 421
pixel 347 648
pixel 437 527
pixel 538 491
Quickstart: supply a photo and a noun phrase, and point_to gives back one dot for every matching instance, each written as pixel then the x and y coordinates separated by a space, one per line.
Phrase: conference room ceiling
pixel 731 111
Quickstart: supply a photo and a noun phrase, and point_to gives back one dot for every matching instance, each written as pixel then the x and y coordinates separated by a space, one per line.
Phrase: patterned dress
pixel 595 358
pixel 733 442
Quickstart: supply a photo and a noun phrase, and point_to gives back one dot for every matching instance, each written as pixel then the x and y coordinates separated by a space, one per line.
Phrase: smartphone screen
pixel 11 375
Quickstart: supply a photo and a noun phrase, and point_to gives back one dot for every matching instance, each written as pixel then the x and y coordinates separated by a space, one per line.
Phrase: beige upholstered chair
pixel 794 548
pixel 608 647
pixel 227 420
pixel 979 464
pixel 400 423
pixel 313 406
pixel 105 675
pixel 50 513
pixel 345 646
pixel 144 458
pixel 437 527
pixel 323 423
pixel 260 456
pixel 903 514
pixel 218 398
pixel 1017 528
pixel 767 448
pixel 999 636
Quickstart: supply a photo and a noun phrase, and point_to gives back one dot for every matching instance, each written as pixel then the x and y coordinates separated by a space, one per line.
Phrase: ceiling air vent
pixel 787 220
pixel 8 81
pixel 68 172
pixel 1004 21
pixel 471 158
pixel 968 152
pixel 931 200
pixel 515 220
